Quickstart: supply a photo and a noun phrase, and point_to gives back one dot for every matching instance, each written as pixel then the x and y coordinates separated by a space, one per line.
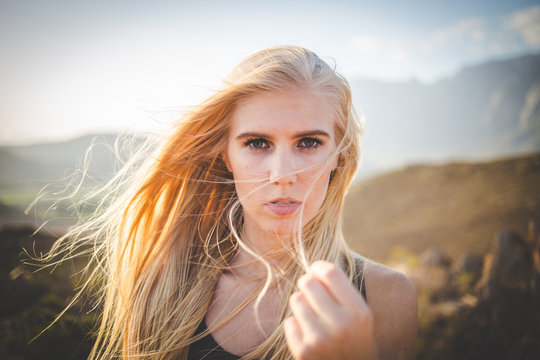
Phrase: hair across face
pixel 281 151
pixel 300 80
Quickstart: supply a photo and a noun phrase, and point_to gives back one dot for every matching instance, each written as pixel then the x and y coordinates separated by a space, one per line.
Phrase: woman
pixel 228 243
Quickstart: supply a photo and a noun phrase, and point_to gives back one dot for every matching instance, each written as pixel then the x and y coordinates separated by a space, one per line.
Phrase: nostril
pixel 288 178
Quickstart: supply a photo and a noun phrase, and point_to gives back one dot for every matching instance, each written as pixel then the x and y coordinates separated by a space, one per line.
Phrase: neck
pixel 263 247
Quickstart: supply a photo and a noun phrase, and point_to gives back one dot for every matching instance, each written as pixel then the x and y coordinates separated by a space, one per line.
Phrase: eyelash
pixel 315 144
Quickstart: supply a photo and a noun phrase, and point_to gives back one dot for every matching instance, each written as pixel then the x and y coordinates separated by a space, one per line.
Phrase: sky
pixel 72 67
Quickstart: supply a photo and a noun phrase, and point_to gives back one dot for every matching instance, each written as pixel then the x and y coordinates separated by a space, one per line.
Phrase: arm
pixel 393 302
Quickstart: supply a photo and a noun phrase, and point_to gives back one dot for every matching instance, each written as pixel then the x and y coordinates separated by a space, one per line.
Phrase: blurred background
pixel 449 189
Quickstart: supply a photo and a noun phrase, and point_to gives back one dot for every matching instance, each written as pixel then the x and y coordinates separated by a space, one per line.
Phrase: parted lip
pixel 283 201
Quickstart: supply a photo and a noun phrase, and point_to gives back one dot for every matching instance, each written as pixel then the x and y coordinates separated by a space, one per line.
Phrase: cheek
pixel 243 166
pixel 317 190
pixel 249 180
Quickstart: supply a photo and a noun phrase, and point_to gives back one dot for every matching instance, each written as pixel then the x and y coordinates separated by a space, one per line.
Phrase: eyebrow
pixel 297 135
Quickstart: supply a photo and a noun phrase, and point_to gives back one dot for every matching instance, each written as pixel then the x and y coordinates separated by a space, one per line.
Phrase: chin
pixel 283 227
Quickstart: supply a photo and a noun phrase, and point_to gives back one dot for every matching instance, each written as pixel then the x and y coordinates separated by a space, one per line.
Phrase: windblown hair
pixel 165 233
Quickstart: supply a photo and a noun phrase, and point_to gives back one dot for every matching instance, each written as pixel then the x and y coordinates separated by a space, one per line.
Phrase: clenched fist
pixel 330 318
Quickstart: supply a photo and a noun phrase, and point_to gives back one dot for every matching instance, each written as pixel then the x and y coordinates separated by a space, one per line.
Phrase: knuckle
pixel 330 272
pixel 305 281
pixel 295 298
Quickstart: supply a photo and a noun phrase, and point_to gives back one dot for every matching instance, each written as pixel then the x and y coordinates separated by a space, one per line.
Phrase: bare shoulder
pixel 392 299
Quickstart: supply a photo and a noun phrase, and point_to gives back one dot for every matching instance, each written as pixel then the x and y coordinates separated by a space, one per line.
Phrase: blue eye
pixel 257 144
pixel 309 143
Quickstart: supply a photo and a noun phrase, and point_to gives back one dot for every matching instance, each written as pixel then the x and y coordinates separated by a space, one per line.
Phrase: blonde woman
pixel 228 243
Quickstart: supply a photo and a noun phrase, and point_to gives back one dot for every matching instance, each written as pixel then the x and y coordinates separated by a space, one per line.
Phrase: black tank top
pixel 207 348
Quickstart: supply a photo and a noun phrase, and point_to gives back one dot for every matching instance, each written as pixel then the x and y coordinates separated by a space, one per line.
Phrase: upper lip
pixel 282 199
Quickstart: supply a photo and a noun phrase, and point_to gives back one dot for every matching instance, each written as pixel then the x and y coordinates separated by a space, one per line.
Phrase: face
pixel 281 153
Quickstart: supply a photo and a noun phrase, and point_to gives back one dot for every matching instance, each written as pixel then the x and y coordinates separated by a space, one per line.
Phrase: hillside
pixel 458 207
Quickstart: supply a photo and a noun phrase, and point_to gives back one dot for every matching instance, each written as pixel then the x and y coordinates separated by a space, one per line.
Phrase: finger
pixel 318 296
pixel 306 318
pixel 337 283
pixel 293 334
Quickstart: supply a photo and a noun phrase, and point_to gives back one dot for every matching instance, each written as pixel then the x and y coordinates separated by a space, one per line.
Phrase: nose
pixel 283 169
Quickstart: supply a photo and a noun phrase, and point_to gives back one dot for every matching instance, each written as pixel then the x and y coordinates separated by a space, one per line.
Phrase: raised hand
pixel 330 318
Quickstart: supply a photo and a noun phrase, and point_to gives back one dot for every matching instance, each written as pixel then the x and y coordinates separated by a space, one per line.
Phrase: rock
pixel 512 266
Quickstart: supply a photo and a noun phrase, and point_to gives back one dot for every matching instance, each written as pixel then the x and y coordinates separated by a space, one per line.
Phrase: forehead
pixel 283 113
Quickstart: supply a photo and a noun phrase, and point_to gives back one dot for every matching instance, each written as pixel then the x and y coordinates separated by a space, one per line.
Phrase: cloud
pixel 473 28
pixel 527 23
pixel 429 55
pixel 472 35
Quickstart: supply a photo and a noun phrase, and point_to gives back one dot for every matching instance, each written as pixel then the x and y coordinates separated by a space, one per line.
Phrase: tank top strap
pixel 358 277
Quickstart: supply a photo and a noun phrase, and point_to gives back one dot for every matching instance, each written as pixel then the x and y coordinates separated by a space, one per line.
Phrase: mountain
pixel 458 207
pixel 484 111
pixel 39 164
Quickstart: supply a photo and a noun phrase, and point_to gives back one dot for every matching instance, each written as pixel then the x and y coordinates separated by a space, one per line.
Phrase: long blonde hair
pixel 163 234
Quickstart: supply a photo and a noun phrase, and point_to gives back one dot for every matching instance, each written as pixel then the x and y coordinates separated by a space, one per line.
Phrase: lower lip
pixel 283 209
